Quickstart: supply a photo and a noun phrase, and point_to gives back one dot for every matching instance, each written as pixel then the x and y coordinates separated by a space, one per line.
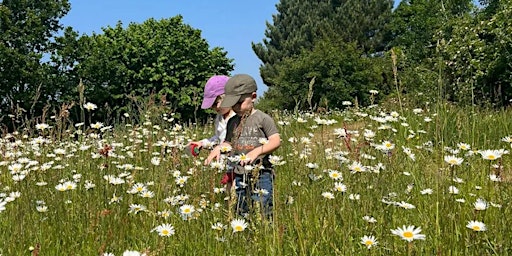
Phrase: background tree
pixel 166 59
pixel 414 32
pixel 478 57
pixel 298 28
pixel 415 22
pixel 26 32
pixel 339 73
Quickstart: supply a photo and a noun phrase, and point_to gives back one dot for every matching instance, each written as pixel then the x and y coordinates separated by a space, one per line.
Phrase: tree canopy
pixel 27 31
pixel 164 58
pixel 321 39
pixel 314 53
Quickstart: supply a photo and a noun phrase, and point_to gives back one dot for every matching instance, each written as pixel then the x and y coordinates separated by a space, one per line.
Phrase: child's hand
pixel 252 155
pixel 214 154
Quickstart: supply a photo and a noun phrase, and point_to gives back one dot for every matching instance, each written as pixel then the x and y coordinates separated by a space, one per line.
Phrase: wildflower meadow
pixel 410 180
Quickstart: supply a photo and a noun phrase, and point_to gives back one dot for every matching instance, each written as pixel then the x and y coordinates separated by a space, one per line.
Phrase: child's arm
pixel 214 139
pixel 274 141
pixel 215 153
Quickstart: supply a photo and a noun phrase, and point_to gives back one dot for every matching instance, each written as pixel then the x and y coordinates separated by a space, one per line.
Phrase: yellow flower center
pixel 165 232
pixel 408 234
pixel 492 157
pixel 368 242
pixel 453 161
pixel 239 228
pixel 186 210
pixel 476 228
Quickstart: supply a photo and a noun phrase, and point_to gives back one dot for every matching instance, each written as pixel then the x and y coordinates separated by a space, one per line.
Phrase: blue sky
pixel 230 24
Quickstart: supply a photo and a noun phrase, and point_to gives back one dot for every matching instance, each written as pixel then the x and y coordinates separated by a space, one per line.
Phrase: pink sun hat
pixel 213 88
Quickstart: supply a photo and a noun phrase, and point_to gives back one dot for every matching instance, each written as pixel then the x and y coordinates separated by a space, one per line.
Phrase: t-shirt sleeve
pixel 269 126
pixel 215 137
pixel 230 128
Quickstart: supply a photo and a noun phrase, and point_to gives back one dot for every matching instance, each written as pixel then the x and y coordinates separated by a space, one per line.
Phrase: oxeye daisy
pixel 238 225
pixel 490 154
pixel 369 134
pixel 243 157
pixel 90 106
pixel 42 126
pixel 218 226
pixel 263 141
pixel 340 187
pixel 97 125
pixel 427 191
pixel 335 175
pixel 276 160
pixel 42 208
pixel 453 160
pixel 408 233
pixel 405 205
pixel 369 219
pixel 369 241
pixel 480 204
pixel 386 146
pixel 155 161
pixel 507 139
pixel 147 194
pixel 463 146
pixel 61 187
pixel 476 225
pixel 453 190
pixel 357 167
pixel 224 148
pixel 164 214
pixel 70 185
pixel 328 195
pixel 494 177
pixel 181 180
pixel 137 188
pixel 187 209
pixel 312 165
pixel 354 196
pixel 136 208
pixel 217 165
pixel 133 253
pixel 164 230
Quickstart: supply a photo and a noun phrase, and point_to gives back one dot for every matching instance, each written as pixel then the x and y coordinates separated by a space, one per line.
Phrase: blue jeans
pixel 244 188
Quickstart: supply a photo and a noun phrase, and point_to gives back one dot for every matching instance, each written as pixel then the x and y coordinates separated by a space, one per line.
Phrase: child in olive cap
pixel 252 135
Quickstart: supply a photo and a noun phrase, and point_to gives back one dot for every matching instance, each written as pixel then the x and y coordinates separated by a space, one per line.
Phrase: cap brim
pixel 230 101
pixel 207 103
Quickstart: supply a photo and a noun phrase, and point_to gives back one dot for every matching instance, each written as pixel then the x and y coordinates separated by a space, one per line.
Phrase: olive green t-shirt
pixel 257 126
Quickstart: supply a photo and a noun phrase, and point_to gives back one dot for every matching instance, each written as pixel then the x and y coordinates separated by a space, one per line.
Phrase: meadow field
pixel 411 180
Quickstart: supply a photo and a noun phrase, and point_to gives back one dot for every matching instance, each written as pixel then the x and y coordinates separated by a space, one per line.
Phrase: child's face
pixel 245 103
pixel 217 108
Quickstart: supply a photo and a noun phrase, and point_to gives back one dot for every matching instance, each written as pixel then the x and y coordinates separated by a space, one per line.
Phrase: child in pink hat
pixel 212 98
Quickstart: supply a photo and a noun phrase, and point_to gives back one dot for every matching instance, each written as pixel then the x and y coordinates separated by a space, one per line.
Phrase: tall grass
pixel 90 221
